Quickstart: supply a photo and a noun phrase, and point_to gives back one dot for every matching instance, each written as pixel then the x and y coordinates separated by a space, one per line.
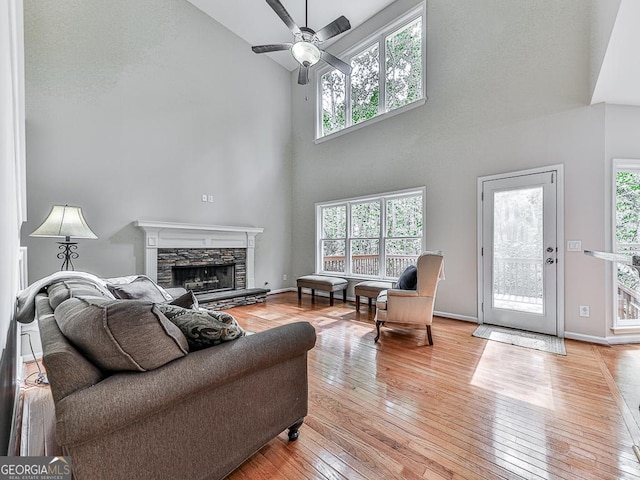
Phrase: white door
pixel 519 252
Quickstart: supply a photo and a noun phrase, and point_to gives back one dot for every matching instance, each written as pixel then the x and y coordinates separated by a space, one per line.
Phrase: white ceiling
pixel 619 78
pixel 255 21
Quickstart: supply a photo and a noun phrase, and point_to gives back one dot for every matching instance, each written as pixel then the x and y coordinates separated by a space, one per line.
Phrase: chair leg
pixel 299 293
pixel 331 299
pixel 378 323
pixel 357 303
pixel 344 295
pixel 429 338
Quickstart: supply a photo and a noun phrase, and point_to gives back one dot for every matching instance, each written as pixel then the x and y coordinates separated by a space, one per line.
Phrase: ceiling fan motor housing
pixel 305 49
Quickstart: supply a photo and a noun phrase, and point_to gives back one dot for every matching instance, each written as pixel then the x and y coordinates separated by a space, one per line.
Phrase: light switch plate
pixel 574 245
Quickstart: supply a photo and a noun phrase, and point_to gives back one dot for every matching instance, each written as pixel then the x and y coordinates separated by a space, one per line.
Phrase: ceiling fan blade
pixel 303 75
pixel 336 62
pixel 284 15
pixel 338 26
pixel 271 48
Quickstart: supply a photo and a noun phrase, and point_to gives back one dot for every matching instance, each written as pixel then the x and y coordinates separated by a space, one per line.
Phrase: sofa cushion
pixel 65 289
pixel 203 328
pixel 118 335
pixel 408 279
pixel 141 288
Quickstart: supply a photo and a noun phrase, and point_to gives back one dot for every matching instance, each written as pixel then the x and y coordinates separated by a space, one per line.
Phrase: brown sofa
pixel 198 416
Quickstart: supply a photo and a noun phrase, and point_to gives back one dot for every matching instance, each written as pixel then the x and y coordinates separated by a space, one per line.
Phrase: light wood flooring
pixel 464 408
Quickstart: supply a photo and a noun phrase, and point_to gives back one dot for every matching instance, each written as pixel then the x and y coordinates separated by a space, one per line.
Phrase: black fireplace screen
pixel 205 278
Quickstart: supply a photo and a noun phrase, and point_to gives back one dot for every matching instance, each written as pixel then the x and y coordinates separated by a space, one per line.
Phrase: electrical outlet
pixel 210 198
pixel 284 277
pixel 584 310
pixel 574 245
pixel 204 197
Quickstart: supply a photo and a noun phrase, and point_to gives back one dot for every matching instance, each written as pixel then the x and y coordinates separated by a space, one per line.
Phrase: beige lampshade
pixel 64 221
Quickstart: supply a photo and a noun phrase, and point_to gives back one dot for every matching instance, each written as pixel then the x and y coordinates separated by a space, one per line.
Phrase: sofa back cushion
pixel 140 288
pixel 67 369
pixel 65 289
pixel 120 335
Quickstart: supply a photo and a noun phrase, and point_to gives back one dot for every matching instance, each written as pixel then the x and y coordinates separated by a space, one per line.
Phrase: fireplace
pixel 215 261
pixel 205 278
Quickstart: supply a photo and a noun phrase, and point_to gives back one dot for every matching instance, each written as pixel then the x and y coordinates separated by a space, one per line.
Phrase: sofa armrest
pixel 127 397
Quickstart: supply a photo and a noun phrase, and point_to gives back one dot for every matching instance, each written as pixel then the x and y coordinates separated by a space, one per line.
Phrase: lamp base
pixel 67 254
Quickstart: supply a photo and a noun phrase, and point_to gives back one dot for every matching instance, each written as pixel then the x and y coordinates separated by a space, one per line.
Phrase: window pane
pixel 628 242
pixel 334 222
pixel 365 90
pixel 333 255
pixel 365 257
pixel 333 102
pixel 403 64
pixel 401 253
pixel 404 217
pixel 518 250
pixel 365 220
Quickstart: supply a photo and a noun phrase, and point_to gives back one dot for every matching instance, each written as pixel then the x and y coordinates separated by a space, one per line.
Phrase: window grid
pixel 380 40
pixel 383 199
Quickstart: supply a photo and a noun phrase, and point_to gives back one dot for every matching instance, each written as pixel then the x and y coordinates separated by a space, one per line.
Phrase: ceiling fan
pixel 304 48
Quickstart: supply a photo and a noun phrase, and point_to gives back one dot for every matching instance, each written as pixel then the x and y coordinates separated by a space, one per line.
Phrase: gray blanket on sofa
pixel 25 307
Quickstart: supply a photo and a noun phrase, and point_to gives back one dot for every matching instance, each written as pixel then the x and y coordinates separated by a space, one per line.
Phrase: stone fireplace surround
pixel 168 244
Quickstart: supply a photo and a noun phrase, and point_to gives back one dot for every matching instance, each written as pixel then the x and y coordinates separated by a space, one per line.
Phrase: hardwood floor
pixel 464 408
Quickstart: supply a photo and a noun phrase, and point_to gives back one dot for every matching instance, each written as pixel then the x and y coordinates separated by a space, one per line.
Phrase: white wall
pixel 508 87
pixel 11 200
pixel 134 110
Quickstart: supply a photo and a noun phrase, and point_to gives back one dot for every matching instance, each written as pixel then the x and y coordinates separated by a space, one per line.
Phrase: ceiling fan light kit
pixel 305 48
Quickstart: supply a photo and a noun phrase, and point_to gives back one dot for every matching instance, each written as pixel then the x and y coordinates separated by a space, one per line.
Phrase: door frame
pixel 559 169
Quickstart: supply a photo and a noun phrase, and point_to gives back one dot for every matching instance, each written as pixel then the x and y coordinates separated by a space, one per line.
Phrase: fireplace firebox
pixel 205 278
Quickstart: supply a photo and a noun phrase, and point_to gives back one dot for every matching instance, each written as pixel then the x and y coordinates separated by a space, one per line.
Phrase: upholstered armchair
pixel 412 307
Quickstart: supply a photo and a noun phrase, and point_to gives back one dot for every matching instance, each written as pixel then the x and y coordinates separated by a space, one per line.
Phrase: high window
pixel 371 237
pixel 627 241
pixel 387 76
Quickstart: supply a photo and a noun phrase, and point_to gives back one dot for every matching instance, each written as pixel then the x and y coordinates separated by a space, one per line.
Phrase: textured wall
pixel 508 88
pixel 137 108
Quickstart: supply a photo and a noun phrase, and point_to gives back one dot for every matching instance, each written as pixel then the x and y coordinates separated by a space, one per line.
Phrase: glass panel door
pixel 519 252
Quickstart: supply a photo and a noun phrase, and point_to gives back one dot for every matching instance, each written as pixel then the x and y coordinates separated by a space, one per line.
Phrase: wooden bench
pixel 324 283
pixel 370 289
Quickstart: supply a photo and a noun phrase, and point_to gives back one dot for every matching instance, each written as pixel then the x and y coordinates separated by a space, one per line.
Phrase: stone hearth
pixel 169 245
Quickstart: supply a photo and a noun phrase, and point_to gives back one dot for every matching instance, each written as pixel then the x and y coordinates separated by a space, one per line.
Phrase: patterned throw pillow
pixel 202 328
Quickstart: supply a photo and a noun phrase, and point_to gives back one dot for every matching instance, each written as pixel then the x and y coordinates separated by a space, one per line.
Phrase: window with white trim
pixel 627 241
pixel 371 237
pixel 387 76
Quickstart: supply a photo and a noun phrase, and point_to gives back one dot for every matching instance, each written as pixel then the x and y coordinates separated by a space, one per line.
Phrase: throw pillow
pixel 409 279
pixel 119 335
pixel 203 328
pixel 186 300
pixel 65 289
pixel 142 288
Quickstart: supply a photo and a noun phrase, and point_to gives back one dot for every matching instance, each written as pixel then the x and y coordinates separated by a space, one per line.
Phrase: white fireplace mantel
pixel 186 235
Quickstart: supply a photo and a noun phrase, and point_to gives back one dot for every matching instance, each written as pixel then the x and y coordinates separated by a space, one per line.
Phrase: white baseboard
pixel 281 290
pixel 623 339
pixel 455 316
pixel 586 338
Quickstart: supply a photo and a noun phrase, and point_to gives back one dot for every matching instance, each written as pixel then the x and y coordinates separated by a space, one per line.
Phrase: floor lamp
pixel 65 221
